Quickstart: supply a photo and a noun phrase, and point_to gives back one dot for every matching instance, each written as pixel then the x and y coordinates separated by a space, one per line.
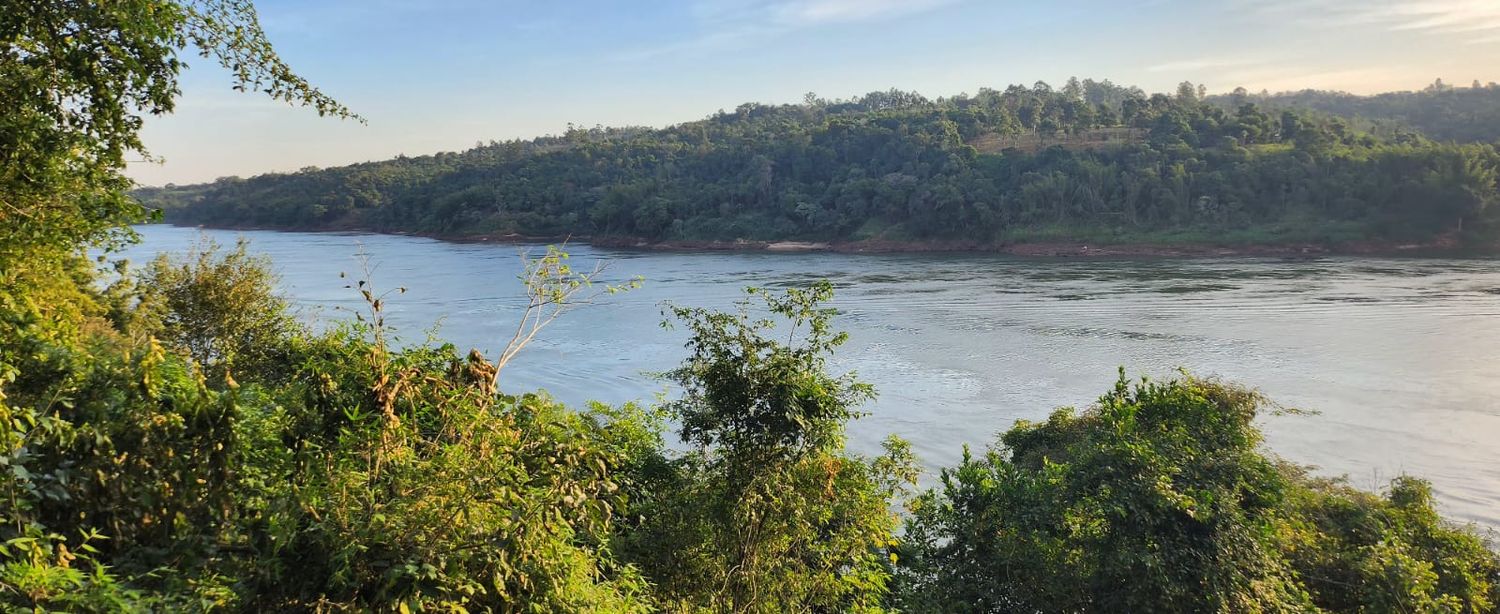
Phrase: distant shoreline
pixel 1030 249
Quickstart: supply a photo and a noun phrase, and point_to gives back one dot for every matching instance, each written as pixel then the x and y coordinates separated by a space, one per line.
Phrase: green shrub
pixel 1159 498
pixel 220 309
pixel 768 513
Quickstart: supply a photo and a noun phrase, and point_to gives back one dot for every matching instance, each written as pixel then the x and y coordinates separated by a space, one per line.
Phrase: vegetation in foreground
pixel 172 439
pixel 292 470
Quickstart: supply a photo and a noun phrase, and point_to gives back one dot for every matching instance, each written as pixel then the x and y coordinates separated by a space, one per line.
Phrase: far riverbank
pixel 1061 248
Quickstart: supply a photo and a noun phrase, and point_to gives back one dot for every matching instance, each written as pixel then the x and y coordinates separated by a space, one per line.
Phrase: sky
pixel 443 75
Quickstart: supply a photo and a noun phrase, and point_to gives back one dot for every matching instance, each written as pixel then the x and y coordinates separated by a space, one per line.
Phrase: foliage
pixel 1159 499
pixel 75 80
pixel 109 448
pixel 1440 111
pixel 113 452
pixel 338 474
pixel 221 310
pixel 408 481
pixel 768 513
pixel 1099 161
pixel 40 571
pixel 1393 553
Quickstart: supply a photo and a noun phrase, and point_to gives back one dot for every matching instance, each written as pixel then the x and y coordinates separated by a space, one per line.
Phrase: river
pixel 1396 356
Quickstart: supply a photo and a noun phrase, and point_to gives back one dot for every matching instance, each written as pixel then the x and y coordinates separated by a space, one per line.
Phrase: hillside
pixel 1089 162
pixel 1439 111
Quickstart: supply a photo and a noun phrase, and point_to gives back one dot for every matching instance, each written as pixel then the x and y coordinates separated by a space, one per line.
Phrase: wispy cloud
pixel 1280 78
pixel 1277 72
pixel 804 13
pixel 725 22
pixel 711 40
pixel 1202 64
pixel 1470 20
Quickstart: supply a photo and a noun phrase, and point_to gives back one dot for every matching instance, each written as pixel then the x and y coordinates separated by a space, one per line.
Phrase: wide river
pixel 1397 356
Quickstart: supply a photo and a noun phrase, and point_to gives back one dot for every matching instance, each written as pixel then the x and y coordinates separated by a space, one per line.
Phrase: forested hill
pixel 1440 111
pixel 1091 161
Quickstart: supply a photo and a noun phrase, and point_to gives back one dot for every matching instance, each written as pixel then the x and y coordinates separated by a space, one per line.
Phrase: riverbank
pixel 1443 248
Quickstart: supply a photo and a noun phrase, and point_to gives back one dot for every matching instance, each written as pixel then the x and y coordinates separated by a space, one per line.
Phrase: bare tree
pixel 553 287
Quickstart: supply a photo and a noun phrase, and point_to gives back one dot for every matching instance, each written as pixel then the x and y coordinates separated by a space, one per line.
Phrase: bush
pixel 220 309
pixel 410 482
pixel 768 513
pixel 1160 499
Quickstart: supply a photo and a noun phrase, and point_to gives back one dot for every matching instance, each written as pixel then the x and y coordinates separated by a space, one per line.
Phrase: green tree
pixel 407 482
pixel 102 432
pixel 768 513
pixel 898 167
pixel 75 80
pixel 222 310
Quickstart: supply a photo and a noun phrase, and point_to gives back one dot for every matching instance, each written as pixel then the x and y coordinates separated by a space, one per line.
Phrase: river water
pixel 1397 356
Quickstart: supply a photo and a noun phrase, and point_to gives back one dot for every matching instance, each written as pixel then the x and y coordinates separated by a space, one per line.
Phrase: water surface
pixel 1396 355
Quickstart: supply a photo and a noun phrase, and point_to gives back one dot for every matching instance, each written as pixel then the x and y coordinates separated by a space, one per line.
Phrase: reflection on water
pixel 1396 355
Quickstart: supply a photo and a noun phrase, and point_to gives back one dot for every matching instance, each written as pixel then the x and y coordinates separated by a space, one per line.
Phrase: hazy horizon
pixel 442 76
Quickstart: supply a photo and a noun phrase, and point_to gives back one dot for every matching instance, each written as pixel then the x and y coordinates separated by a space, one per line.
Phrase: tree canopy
pixel 1089 162
pixel 1440 111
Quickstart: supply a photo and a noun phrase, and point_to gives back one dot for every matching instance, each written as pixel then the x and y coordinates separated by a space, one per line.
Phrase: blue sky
pixel 441 75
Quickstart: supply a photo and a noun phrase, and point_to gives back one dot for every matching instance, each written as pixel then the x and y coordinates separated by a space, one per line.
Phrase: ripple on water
pixel 1194 288
pixel 1397 354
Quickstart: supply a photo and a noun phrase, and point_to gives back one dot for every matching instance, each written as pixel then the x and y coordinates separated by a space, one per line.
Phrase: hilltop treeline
pixel 1444 112
pixel 1091 160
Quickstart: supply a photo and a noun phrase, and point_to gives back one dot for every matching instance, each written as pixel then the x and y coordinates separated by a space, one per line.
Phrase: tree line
pixel 1089 161
pixel 1441 111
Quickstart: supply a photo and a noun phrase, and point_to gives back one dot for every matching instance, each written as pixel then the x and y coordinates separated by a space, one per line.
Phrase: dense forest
pixel 1440 111
pixel 173 438
pixel 1091 161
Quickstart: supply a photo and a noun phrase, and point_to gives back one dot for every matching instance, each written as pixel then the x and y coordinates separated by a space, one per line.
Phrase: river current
pixel 1397 357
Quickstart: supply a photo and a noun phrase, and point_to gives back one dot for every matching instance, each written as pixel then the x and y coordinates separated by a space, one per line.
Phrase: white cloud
pixel 724 22
pixel 1472 20
pixel 1201 64
pixel 711 40
pixel 803 13
pixel 1287 78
